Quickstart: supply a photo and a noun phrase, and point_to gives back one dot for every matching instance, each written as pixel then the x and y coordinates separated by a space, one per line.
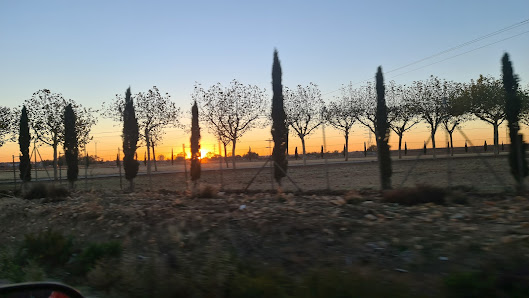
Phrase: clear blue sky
pixel 91 50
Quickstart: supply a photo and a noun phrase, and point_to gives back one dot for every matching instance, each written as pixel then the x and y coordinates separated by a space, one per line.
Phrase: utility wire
pixel 524 22
pixel 463 45
pixel 461 54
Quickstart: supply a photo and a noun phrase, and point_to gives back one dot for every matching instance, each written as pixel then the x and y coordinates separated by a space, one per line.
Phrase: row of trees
pixel 45 116
pixel 230 112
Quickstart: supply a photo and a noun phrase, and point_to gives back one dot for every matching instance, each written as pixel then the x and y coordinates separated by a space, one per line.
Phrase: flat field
pixel 345 242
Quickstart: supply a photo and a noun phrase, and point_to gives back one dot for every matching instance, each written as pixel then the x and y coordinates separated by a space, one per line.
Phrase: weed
pixel 50 249
pixel 95 252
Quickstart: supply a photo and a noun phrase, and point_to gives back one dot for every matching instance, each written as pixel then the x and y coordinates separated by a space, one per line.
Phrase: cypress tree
pixel 382 133
pixel 424 148
pixel 130 140
pixel 321 154
pixel 513 106
pixel 296 155
pixel 195 145
pixel 279 124
pixel 71 146
pixel 24 141
pixel 405 148
pixel 466 147
pixel 485 146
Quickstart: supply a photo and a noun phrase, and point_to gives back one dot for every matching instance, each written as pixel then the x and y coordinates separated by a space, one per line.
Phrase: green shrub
pixel 9 269
pixel 336 283
pixel 415 196
pixel 94 252
pixel 506 275
pixel 271 282
pixel 48 248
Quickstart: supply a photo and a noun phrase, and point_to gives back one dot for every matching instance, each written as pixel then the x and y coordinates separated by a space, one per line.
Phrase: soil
pixel 297 230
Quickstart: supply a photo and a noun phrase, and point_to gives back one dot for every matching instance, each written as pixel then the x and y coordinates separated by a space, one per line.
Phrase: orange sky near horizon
pixel 107 140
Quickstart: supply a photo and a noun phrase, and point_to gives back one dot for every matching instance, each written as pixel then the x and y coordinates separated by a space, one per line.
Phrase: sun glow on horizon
pixel 203 153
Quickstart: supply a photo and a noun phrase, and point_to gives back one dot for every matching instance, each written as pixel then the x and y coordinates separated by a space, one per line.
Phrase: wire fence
pixel 473 170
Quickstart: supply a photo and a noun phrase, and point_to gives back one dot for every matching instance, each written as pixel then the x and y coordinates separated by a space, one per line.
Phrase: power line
pixel 518 24
pixel 463 45
pixel 461 54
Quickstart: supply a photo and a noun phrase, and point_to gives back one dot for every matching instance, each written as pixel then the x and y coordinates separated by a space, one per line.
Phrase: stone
pixel 370 217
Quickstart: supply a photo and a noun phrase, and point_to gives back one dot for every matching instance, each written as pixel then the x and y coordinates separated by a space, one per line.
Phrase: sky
pixel 91 50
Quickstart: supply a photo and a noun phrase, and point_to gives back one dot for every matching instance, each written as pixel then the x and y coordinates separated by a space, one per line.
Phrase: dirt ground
pixel 348 226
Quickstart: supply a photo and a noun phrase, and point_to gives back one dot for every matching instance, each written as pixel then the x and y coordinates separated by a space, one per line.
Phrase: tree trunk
pixel 303 147
pixel 400 145
pixel 234 143
pixel 154 157
pixel 346 145
pixel 433 144
pixel 450 133
pixel 55 161
pixel 148 142
pixel 496 146
pixel 226 155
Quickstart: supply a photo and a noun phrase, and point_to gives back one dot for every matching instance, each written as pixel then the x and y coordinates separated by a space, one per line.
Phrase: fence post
pixel 119 167
pixel 220 168
pixel 185 164
pixel 14 175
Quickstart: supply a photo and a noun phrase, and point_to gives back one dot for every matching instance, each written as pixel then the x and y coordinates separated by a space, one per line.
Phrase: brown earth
pixel 340 228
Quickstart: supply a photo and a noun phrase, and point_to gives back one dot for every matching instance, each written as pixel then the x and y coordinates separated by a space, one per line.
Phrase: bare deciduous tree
pixel 486 98
pixel 403 112
pixel 342 114
pixel 431 96
pixel 231 111
pixel 457 109
pixel 154 112
pixel 46 113
pixel 6 123
pixel 304 108
pixel 365 99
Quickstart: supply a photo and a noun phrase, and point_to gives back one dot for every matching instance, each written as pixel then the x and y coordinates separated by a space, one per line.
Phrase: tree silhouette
pixel 130 140
pixel 513 106
pixel 431 95
pixel 24 141
pixel 382 133
pixel 195 145
pixel 402 111
pixel 486 99
pixel 6 119
pixel 154 113
pixel 342 114
pixel 71 147
pixel 279 123
pixel 457 110
pixel 365 99
pixel 46 111
pixel 304 109
pixel 231 112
